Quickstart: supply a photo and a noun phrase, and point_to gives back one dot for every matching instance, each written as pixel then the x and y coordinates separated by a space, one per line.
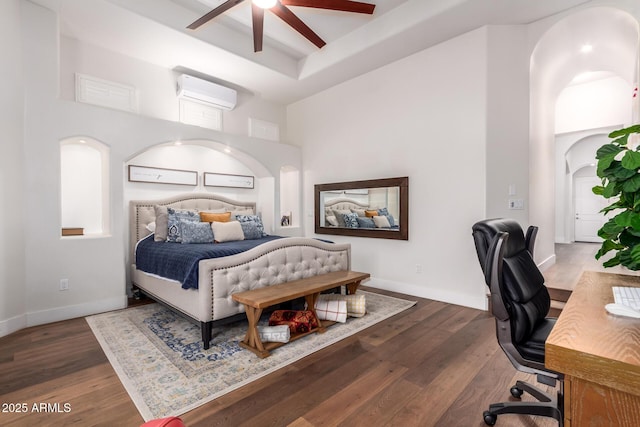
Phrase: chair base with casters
pixel 546 406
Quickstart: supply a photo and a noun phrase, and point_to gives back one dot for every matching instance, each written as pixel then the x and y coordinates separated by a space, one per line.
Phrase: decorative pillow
pixel 356 303
pixel 298 321
pixel 250 230
pixel 151 227
pixel 254 218
pixel 227 231
pixel 381 221
pixel 370 214
pixel 350 220
pixel 162 223
pixel 196 232
pixel 215 216
pixel 392 222
pixel 366 223
pixel 333 310
pixel 339 216
pixel 234 214
pixel 331 220
pixel 280 333
pixel 383 212
pixel 175 217
pixel 360 212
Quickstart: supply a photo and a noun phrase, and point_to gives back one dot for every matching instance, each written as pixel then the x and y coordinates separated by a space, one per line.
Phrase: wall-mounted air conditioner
pixel 195 89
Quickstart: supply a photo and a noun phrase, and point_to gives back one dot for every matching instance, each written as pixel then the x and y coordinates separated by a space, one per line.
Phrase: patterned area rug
pixel 160 360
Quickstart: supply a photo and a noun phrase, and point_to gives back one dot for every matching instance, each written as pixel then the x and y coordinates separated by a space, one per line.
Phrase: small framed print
pixel 162 175
pixel 228 180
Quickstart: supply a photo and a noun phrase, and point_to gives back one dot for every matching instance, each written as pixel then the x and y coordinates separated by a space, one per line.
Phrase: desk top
pixel 591 344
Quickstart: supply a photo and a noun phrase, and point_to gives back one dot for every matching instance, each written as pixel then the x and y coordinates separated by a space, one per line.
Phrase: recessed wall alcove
pixel 204 156
pixel 84 186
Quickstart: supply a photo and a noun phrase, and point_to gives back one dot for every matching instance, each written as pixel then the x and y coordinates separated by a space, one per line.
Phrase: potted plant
pixel 619 169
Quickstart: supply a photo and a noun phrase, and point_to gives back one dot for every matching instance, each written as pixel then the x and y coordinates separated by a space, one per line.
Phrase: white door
pixel 588 218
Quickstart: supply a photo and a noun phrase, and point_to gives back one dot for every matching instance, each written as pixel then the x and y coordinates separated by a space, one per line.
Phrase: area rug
pixel 159 357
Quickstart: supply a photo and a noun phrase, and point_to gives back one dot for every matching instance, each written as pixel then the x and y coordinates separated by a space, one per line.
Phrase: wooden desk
pixel 599 354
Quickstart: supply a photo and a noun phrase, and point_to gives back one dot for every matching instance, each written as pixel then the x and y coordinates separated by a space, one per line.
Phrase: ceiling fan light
pixel 265 4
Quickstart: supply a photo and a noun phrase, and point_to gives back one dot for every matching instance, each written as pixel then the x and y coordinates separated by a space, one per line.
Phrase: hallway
pixel 574 258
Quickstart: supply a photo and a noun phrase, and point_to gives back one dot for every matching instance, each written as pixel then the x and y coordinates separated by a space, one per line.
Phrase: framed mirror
pixel 373 208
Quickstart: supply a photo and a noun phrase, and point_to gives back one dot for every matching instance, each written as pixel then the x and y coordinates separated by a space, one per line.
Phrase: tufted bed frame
pixel 342 204
pixel 277 261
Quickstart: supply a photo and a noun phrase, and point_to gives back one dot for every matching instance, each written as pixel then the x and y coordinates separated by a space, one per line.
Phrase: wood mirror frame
pixel 403 231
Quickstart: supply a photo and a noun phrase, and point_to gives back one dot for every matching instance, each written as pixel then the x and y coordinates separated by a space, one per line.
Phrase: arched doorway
pixel 602 39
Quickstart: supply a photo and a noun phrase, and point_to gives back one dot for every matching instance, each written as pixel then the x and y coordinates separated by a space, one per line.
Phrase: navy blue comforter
pixel 179 261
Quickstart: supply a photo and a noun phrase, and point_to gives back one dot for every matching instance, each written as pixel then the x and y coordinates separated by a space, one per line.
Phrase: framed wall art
pixel 228 180
pixel 162 175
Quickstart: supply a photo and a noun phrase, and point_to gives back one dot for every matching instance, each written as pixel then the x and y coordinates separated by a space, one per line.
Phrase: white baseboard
pixel 13 324
pixel 545 264
pixel 57 314
pixel 479 302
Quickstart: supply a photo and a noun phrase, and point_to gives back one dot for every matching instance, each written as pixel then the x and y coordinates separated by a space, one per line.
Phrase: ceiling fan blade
pixel 342 5
pixel 290 18
pixel 215 12
pixel 257 16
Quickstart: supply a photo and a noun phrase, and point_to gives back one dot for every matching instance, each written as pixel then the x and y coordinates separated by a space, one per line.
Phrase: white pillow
pixel 227 231
pixel 381 221
pixel 335 311
pixel 332 220
pixel 151 226
pixel 356 303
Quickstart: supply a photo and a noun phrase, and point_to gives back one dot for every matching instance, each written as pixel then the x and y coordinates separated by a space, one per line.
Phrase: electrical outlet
pixel 64 284
pixel 418 268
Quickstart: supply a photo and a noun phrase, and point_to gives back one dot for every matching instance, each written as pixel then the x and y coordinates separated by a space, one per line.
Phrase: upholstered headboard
pixel 343 204
pixel 142 212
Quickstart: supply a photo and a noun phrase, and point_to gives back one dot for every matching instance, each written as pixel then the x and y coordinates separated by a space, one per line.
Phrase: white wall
pixel 37 255
pixel 423 117
pixel 508 122
pixel 593 105
pixel 12 172
pixel 156 86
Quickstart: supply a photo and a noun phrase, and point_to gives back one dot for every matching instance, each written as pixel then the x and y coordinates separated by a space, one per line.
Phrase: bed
pixel 340 204
pixel 270 262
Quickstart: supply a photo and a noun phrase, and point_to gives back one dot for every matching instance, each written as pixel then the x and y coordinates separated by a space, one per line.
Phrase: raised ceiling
pixel 289 68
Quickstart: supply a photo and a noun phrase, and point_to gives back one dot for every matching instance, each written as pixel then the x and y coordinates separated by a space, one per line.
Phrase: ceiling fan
pixel 280 9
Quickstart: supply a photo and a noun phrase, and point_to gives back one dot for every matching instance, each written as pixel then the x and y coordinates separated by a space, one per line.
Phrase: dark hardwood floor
pixel 435 364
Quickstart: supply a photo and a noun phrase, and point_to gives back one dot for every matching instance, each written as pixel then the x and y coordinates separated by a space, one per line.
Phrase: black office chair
pixel 520 303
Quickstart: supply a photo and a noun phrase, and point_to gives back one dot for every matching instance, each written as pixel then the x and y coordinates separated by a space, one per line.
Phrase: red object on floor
pixel 164 422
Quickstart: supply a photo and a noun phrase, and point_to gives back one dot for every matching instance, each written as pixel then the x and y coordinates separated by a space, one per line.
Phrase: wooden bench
pixel 257 300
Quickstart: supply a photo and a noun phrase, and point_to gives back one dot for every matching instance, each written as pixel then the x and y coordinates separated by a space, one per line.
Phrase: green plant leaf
pixel 610 190
pixel 598 189
pixel 631 160
pixel 634 221
pixel 607 246
pixel 625 132
pixel 610 230
pixel 608 150
pixel 622 219
pixel 612 262
pixel 606 155
pixel 621 173
pixel 632 184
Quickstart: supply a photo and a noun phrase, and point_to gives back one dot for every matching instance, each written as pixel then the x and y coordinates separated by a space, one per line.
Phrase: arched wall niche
pixel 204 156
pixel 556 60
pixel 84 186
